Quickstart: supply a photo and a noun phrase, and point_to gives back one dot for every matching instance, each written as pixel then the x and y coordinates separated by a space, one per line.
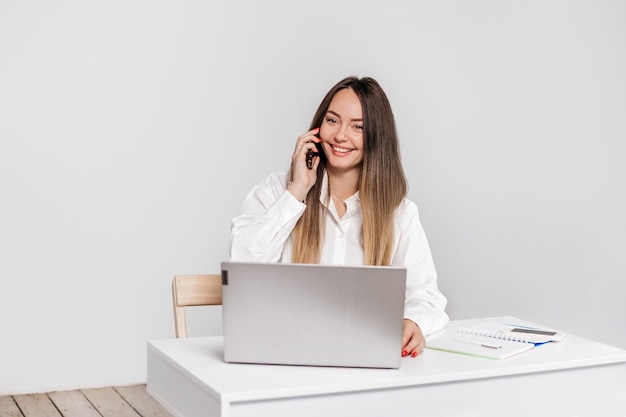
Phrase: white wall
pixel 130 132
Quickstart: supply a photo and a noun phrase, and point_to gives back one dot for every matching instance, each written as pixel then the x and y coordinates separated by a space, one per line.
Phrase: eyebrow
pixel 337 114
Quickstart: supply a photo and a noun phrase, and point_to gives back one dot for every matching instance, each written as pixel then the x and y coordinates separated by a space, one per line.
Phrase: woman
pixel 344 202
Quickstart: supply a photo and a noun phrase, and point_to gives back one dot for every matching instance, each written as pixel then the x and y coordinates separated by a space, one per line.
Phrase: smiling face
pixel 342 131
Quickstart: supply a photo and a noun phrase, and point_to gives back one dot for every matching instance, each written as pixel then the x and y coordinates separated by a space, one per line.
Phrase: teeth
pixel 343 150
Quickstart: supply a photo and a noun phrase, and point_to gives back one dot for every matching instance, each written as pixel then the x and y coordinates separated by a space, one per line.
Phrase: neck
pixel 343 184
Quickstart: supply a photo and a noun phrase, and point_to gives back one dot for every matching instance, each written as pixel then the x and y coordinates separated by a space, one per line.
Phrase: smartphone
pixel 540 335
pixel 310 154
pixel 309 158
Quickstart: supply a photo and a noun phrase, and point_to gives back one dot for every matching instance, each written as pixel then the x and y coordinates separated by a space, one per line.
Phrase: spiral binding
pixel 495 335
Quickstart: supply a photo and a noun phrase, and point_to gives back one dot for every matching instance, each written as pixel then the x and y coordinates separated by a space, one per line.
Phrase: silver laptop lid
pixel 303 314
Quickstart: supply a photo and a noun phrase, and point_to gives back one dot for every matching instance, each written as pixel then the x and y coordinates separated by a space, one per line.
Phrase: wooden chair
pixel 194 290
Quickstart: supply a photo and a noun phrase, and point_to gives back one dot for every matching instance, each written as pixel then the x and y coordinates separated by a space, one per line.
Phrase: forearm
pixel 426 309
pixel 259 235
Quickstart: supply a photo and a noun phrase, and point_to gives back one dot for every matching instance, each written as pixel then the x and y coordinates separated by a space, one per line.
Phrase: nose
pixel 342 134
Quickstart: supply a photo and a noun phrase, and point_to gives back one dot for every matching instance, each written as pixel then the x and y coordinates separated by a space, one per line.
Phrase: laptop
pixel 316 315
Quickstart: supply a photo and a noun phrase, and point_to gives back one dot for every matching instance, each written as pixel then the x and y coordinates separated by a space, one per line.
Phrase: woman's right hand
pixel 304 178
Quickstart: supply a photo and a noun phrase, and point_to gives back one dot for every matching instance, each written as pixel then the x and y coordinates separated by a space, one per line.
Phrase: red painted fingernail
pixel 414 354
pixel 404 353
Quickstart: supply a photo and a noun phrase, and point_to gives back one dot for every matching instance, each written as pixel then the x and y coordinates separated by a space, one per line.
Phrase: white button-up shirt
pixel 262 233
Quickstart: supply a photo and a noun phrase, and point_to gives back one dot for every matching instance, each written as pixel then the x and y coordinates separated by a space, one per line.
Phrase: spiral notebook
pixel 492 340
pixel 476 345
pixel 514 332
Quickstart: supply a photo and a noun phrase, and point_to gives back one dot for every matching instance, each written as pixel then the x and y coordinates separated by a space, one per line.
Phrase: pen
pixel 477 343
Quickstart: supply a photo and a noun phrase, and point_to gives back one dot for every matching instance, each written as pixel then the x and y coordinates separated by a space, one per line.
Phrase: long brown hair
pixel 382 184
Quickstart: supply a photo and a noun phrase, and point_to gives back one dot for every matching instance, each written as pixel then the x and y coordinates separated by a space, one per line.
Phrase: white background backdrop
pixel 130 131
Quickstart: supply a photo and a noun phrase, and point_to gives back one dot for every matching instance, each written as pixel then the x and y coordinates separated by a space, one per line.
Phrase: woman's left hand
pixel 413 341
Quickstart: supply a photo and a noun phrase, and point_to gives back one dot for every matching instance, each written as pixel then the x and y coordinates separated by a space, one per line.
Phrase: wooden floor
pixel 132 401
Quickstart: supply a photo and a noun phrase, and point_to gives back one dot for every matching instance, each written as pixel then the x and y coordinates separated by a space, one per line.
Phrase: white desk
pixel 576 377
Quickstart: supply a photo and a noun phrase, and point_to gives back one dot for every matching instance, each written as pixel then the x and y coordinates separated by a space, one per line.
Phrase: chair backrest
pixel 194 290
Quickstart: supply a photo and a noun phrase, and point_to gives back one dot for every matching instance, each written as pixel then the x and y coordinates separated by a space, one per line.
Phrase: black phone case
pixel 310 154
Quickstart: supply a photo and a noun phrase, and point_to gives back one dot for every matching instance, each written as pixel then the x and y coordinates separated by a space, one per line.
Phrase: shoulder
pixel 275 180
pixel 268 190
pixel 407 212
pixel 407 221
pixel 407 208
pixel 275 183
